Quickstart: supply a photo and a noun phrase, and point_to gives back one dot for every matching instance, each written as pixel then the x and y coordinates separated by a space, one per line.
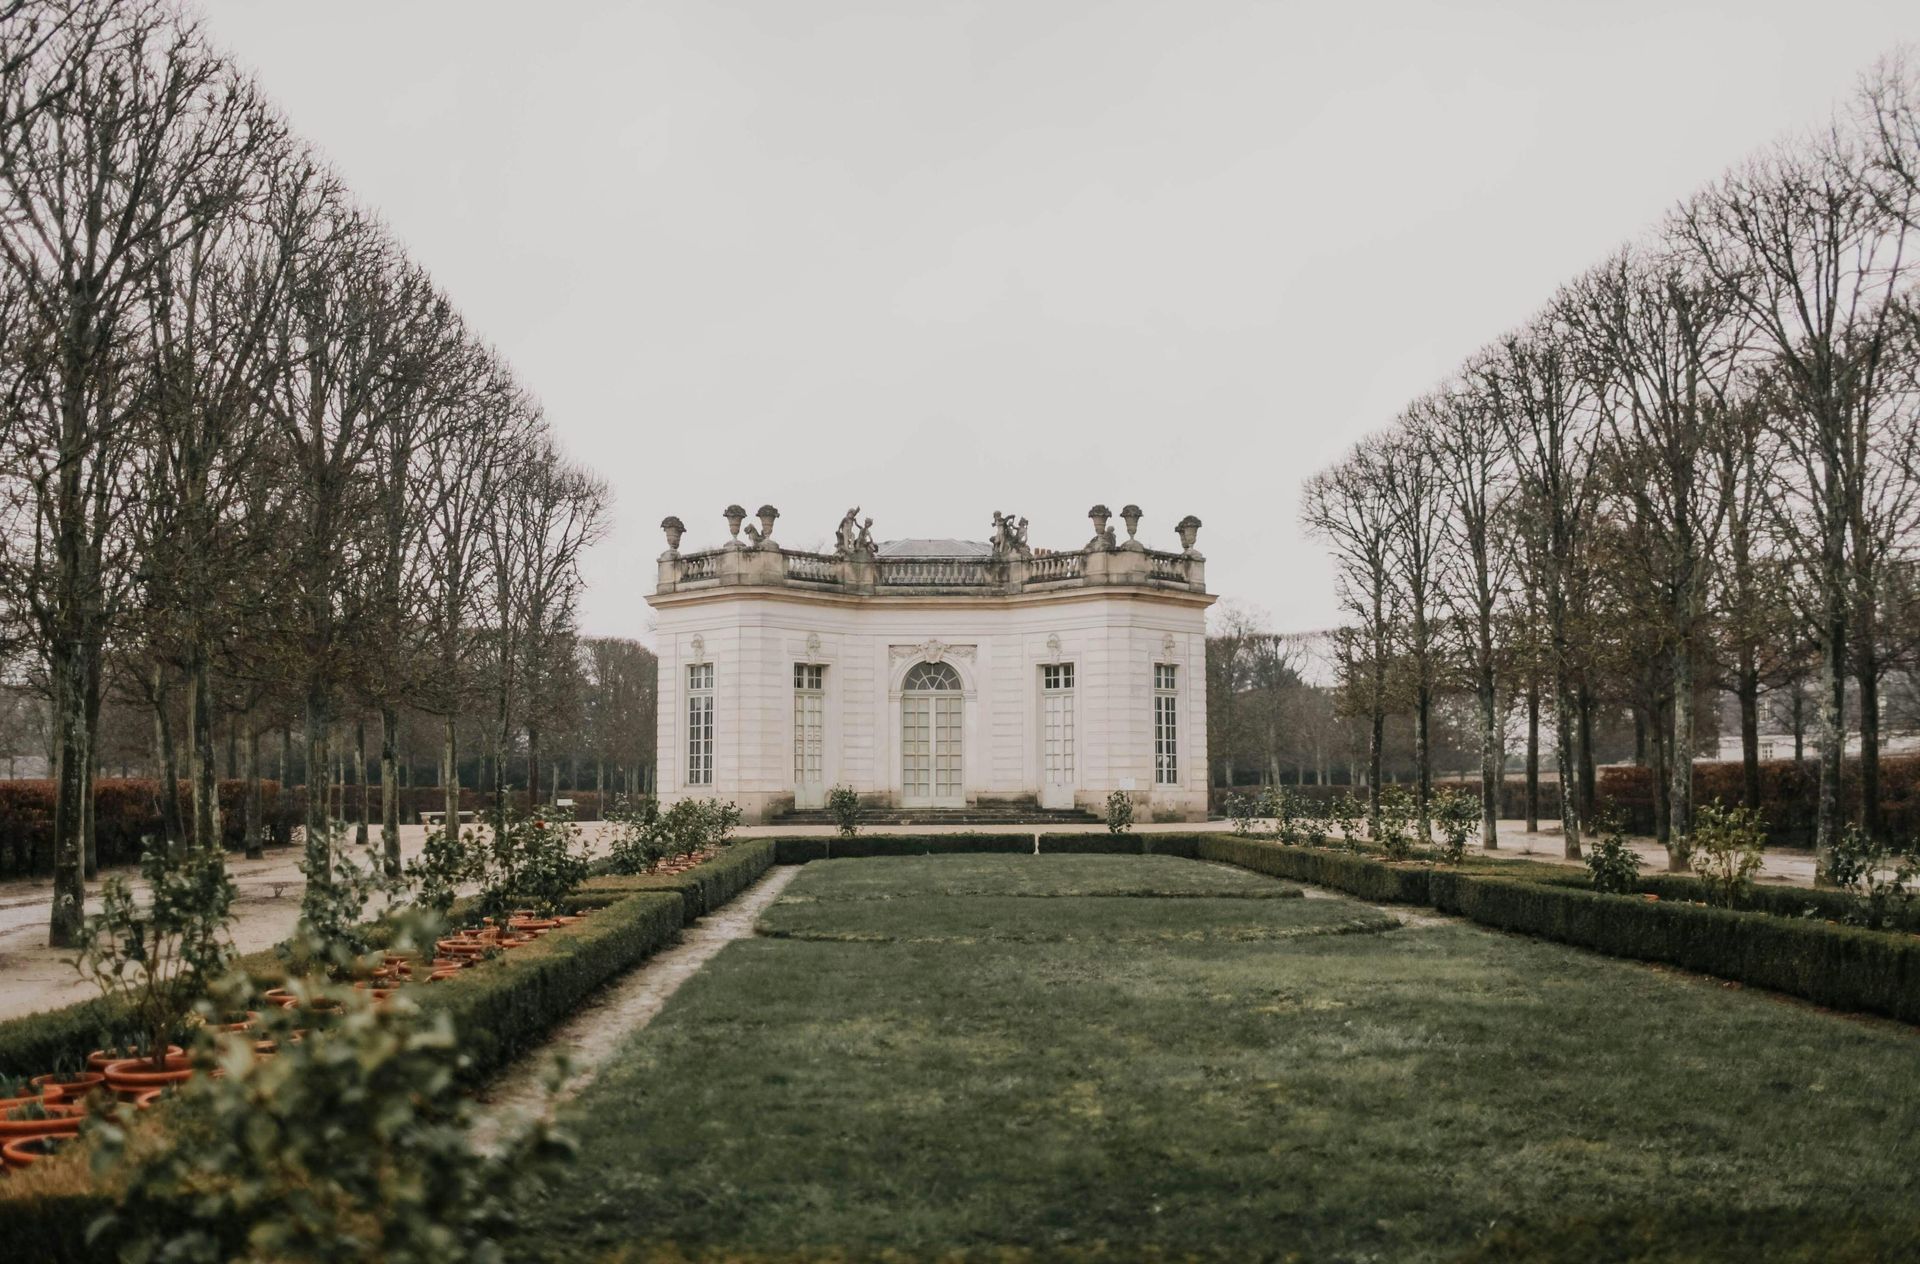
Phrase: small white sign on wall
pixel 1126 783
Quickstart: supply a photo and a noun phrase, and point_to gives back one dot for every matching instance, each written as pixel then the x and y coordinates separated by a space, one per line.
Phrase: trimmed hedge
pixel 705 887
pixel 799 850
pixel 1369 879
pixel 1789 793
pixel 1843 967
pixel 37 1042
pixel 1777 899
pixel 1184 846
pixel 127 810
pixel 506 1006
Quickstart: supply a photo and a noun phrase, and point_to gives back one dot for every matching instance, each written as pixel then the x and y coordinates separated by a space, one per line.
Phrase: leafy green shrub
pixel 1727 850
pixel 693 825
pixel 1277 802
pixel 1457 815
pixel 448 860
pixel 1391 830
pixel 1343 813
pixel 534 862
pixel 334 929
pixel 1614 866
pixel 151 961
pixel 1119 812
pixel 844 803
pixel 1879 878
pixel 351 1143
pixel 637 841
pixel 1243 810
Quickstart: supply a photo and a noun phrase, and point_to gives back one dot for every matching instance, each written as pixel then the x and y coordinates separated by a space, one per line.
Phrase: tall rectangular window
pixel 809 723
pixel 700 724
pixel 1166 725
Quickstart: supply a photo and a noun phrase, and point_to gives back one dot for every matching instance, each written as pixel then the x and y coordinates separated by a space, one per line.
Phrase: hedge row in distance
pixel 1842 967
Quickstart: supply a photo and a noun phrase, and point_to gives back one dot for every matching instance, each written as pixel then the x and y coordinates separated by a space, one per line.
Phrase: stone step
pixel 1009 815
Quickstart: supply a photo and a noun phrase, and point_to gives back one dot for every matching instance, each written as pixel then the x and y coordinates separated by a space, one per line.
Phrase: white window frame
pixel 1166 724
pixel 699 712
pixel 809 685
pixel 1057 686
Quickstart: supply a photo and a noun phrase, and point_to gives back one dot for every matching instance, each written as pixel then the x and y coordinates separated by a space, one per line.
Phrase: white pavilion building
pixel 934 675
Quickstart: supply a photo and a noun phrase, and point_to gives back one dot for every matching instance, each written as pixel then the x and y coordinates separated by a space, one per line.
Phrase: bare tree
pixel 1814 258
pixel 1468 448
pixel 1346 507
pixel 1542 404
pixel 130 113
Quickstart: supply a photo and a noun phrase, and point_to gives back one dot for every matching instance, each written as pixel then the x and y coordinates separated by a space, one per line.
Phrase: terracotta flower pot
pixel 146 1098
pixel 71 1087
pixel 240 1024
pixel 136 1075
pixel 101 1059
pixel 57 1119
pixel 26 1151
pixel 280 996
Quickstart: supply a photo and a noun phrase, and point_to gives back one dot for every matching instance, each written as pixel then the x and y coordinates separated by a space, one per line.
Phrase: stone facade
pixel 934 674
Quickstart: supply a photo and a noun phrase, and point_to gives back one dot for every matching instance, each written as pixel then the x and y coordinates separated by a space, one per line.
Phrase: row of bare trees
pixel 251 452
pixel 1694 469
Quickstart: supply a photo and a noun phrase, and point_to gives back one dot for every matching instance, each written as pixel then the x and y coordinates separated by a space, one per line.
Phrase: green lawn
pixel 954 1055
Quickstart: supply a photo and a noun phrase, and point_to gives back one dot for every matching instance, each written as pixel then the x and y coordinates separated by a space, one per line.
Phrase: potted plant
pixel 25 1151
pixel 67 1083
pixel 154 958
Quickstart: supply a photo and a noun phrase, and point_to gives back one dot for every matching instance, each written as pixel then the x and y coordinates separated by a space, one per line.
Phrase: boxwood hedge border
pixel 1841 967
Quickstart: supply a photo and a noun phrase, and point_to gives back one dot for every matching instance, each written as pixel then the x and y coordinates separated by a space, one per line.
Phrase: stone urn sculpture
pixel 1100 514
pixel 766 515
pixel 675 529
pixel 1189 529
pixel 1131 516
pixel 735 515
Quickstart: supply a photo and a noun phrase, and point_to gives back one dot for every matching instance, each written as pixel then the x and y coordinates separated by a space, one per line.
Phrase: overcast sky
pixel 937 259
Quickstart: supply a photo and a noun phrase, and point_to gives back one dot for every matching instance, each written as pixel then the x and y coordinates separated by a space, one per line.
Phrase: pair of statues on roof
pixel 854 536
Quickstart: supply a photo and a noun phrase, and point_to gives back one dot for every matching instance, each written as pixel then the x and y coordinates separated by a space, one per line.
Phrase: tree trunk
pixel 452 781
pixel 1832 735
pixel 1533 758
pixel 1868 679
pixel 252 825
pixel 89 814
pixel 1661 778
pixel 1566 757
pixel 1747 689
pixel 1423 760
pixel 533 765
pixel 319 849
pixel 1680 786
pixel 69 666
pixel 1492 759
pixel 361 830
pixel 172 814
pixel 200 765
pixel 390 789
pixel 1588 777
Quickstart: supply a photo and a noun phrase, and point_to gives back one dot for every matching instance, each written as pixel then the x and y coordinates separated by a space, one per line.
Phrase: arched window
pixel 931 676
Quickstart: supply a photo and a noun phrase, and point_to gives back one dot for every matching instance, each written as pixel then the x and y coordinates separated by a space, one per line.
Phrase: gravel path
pixel 266 905
pixel 591 1037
